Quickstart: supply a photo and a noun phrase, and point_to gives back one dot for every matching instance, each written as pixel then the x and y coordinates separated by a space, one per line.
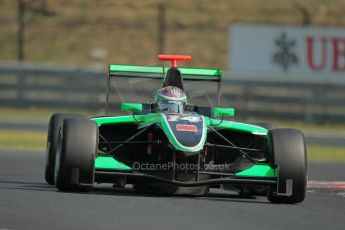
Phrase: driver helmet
pixel 171 99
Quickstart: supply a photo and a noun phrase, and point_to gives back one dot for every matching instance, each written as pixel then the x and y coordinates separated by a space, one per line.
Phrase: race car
pixel 169 146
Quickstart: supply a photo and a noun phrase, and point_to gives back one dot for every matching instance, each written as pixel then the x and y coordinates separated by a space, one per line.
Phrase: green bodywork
pixel 258 170
pixel 159 119
pixel 226 112
pixel 131 107
pixel 154 119
pixel 108 162
pixel 159 72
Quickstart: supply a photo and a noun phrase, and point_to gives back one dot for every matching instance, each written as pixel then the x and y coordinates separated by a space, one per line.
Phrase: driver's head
pixel 171 99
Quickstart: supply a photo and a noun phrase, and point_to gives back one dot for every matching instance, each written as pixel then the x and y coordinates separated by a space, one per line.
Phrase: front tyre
pixel 76 152
pixel 287 151
pixel 53 130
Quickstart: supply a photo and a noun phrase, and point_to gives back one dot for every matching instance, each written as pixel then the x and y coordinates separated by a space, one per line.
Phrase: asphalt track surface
pixel 27 202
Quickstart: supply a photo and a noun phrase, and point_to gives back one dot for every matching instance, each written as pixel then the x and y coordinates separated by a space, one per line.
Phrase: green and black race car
pixel 172 147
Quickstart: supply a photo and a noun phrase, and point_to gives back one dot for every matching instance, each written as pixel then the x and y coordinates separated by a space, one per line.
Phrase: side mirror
pixel 226 112
pixel 131 107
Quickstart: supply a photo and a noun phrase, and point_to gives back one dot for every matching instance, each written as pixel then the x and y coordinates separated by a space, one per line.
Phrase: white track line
pixel 328 185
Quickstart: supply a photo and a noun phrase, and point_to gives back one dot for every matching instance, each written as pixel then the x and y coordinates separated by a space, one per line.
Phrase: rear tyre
pixel 76 152
pixel 53 130
pixel 287 151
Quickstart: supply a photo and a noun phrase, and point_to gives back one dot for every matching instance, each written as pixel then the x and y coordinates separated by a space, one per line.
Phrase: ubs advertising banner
pixel 276 50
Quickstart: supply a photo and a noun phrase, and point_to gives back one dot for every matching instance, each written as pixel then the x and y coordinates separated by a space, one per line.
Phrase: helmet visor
pixel 171 107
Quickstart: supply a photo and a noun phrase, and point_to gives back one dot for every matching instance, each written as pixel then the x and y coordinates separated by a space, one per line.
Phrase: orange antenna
pixel 174 58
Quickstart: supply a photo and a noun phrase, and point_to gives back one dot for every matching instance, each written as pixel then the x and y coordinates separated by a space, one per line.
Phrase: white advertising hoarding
pixel 285 50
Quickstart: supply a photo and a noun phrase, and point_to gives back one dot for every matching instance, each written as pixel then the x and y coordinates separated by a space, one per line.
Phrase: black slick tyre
pixel 76 152
pixel 53 129
pixel 287 151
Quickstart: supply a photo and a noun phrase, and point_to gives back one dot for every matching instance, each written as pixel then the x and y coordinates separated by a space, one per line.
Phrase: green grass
pixel 326 153
pixel 37 114
pixel 37 141
pixel 23 140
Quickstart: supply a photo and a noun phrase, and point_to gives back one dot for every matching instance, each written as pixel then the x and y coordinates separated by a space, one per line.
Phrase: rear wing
pixel 159 72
